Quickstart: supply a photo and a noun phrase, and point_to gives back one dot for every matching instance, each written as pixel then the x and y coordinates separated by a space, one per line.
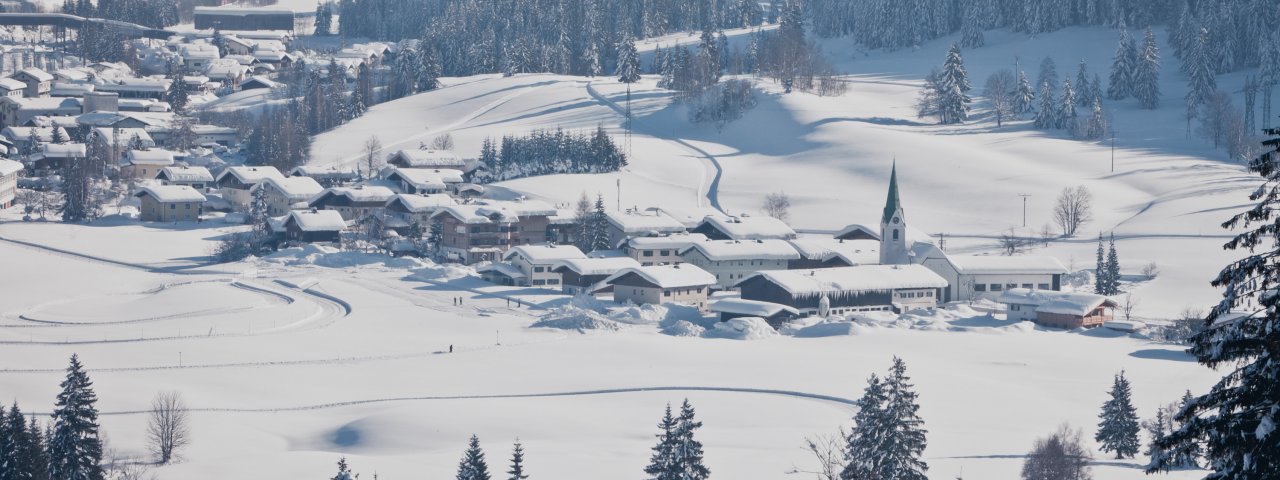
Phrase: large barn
pixel 862 288
pixel 290 15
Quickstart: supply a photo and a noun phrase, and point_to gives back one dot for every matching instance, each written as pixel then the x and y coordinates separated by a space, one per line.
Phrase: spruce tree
pixel 1113 268
pixel 1199 69
pixel 344 472
pixel 1123 66
pixel 1118 430
pixel 75 451
pixel 472 466
pixel 19 455
pixel 1236 420
pixel 1024 95
pixel 1067 117
pixel 688 450
pixel 1096 126
pixel 1084 92
pixel 599 235
pixel 865 440
pixel 1047 113
pixel 904 442
pixel 1146 77
pixel 662 464
pixel 9 445
pixel 38 459
pixel 517 463
pixel 953 88
pixel 1100 270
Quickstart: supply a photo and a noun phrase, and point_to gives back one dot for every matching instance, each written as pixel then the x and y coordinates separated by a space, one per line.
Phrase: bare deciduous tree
pixel 168 427
pixel 1060 456
pixel 1130 304
pixel 372 155
pixel 1073 210
pixel 442 142
pixel 829 451
pixel 999 90
pixel 1011 243
pixel 1046 234
pixel 777 205
pixel 1151 271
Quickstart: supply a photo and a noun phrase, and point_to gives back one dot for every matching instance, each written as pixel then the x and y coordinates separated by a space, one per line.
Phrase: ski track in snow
pixel 711 164
pixel 177 270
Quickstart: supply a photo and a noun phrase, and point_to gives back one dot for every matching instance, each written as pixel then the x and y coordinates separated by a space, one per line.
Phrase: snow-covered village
pixel 638 239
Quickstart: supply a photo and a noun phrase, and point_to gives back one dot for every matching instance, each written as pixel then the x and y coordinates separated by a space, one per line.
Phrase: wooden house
pixel 170 203
pixel 1057 309
pixel 679 284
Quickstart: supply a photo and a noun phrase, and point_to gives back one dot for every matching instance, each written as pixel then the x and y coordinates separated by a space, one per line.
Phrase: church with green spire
pixel 893 226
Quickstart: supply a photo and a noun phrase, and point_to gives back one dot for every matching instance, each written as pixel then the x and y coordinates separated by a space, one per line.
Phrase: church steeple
pixel 893 226
pixel 892 204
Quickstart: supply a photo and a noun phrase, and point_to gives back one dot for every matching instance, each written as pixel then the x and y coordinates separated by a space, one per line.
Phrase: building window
pixel 539 282
pixel 1043 286
pixel 996 287
pixel 666 293
pixel 1027 285
pixel 1011 285
pixel 553 281
pixel 173 206
pixel 648 253
pixel 664 252
pixel 539 269
pixel 981 287
pixel 895 233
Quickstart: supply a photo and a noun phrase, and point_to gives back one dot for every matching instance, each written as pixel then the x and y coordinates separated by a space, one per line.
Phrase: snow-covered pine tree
pixel 599 235
pixel 472 466
pixel 344 472
pixel 1198 67
pixel 75 451
pixel 8 444
pixel 865 440
pixel 1047 113
pixel 662 462
pixel 905 437
pixel 971 26
pixel 18 447
pixel 324 19
pixel 1067 118
pixel 1095 126
pixel 953 88
pixel 1048 73
pixel 38 459
pixel 687 449
pixel 77 192
pixel 1095 88
pixel 1123 67
pixel 1185 454
pixel 178 94
pixel 1146 76
pixel 1100 270
pixel 1118 430
pixel 1156 428
pixel 1024 95
pixel 517 463
pixel 1113 268
pixel 1084 93
pixel 1236 420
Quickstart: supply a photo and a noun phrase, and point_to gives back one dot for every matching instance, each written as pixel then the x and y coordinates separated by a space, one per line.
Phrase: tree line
pixel 547 152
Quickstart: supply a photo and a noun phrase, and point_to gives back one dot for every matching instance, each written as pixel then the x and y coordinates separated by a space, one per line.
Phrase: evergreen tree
pixel 1146 77
pixel 178 94
pixel 1047 114
pixel 662 464
pixel 78 199
pixel 1123 67
pixel 1067 117
pixel 1197 65
pixel 324 19
pixel 866 440
pixel 904 442
pixel 75 451
pixel 517 463
pixel 1113 268
pixel 1118 430
pixel 1084 92
pixel 472 466
pixel 38 459
pixel 1096 126
pixel 1100 270
pixel 687 449
pixel 971 26
pixel 1048 73
pixel 1024 95
pixel 344 472
pixel 1236 420
pixel 953 88
pixel 599 235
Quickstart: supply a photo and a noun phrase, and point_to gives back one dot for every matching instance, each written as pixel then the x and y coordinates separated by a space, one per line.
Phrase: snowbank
pixel 322 256
pixel 742 328
pixel 443 272
pixel 570 317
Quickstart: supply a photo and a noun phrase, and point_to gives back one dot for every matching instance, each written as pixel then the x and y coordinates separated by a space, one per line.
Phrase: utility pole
pixel 1024 208
pixel 619 204
pixel 1113 148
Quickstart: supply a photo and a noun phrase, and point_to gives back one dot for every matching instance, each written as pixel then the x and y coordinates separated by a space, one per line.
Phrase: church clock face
pixel 895 220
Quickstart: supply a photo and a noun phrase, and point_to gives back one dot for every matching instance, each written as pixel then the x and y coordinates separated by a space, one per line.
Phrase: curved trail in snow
pixel 280 298
pixel 710 162
pixel 178 270
pixel 578 393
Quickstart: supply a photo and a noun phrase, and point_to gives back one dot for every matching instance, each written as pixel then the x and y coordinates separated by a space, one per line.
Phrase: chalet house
pixel 30 137
pixel 329 176
pixel 482 231
pixel 279 59
pixel 8 182
pixel 744 227
pixel 844 290
pixel 985 277
pixel 424 180
pixel 145 163
pixel 1057 309
pixel 857 231
pixel 12 88
pixel 154 88
pixel 21 111
pixel 353 203
pixel 286 194
pixel 212 134
pixel 314 226
pixel 54 156
pixel 198 178
pixel 828 252
pixel 236 46
pixel 121 140
pixel 587 275
pixel 656 285
pixel 775 314
pixel 537 263
pixel 662 249
pixel 427 159
pixel 562 228
pixel 691 217
pixel 259 82
pixel 235 183
pixel 732 260
pixel 226 71
pixel 38 82
pixel 65 89
pixel 628 224
pixel 170 203
pixel 197 56
pixel 405 210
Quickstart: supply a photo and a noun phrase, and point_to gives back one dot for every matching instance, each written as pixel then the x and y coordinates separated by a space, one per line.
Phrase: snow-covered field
pixel 289 365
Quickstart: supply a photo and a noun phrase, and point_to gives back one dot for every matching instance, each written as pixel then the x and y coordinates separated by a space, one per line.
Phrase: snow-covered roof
pixel 426 178
pixel 63 89
pixel 329 171
pixel 1007 265
pixel 51 104
pixel 23 134
pixel 186 174
pixel 858 230
pixel 149 157
pixel 251 175
pixel 171 194
pixel 632 222
pixel 295 189
pixel 126 135
pixel 149 84
pixel 414 158
pixel 1049 301
pixel 507 211
pixel 691 216
pixel 11 84
pixel 753 308
pixel 854 252
pixel 63 150
pixel 505 269
pixel 359 194
pixel 423 203
pixel 668 276
pixel 37 74
pixel 722 250
pixel 676 241
pixel 849 280
pixel 267 82
pixel 544 253
pixel 9 167
pixel 596 266
pixel 750 228
pixel 317 221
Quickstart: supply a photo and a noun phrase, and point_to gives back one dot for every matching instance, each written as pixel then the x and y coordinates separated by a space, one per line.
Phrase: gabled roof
pixel 250 175
pixel 676 241
pixel 854 252
pixel 9 167
pixel 631 222
pixel 361 193
pixel 185 174
pixel 544 253
pixel 1048 301
pixel 505 269
pixel 11 84
pixel 295 189
pixel 668 276
pixel 37 74
pixel 317 221
pixel 148 157
pixel 723 250
pixel 425 178
pixel 596 266
pixel 748 228
pixel 1007 265
pixel 324 172
pixel 171 193
pixel 422 203
pixel 850 280
pixel 414 158
pixel 858 231
pixel 691 216
pixel 753 308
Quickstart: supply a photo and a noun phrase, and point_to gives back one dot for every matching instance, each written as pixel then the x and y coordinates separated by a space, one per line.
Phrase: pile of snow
pixel 742 328
pixel 570 317
pixel 656 314
pixel 825 328
pixel 443 272
pixel 683 328
pixel 323 256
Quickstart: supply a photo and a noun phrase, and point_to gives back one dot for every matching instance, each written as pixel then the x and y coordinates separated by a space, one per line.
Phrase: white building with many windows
pixel 732 260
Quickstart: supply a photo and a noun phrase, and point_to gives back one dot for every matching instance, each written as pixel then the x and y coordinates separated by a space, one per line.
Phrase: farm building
pixel 170 203
pixel 1057 309
pixel 775 314
pixel 587 275
pixel 844 290
pixel 732 260
pixel 679 284
pixel 311 226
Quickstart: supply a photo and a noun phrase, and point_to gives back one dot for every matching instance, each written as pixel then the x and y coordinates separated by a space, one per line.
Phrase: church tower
pixel 893 226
